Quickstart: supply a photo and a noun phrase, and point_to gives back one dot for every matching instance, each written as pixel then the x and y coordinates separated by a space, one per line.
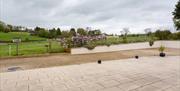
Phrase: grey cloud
pixel 108 15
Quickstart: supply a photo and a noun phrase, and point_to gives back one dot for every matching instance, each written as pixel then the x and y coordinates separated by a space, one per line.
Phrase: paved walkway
pixel 144 74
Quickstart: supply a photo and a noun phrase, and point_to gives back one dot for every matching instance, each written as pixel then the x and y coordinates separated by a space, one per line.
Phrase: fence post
pixel 17 49
pixel 9 49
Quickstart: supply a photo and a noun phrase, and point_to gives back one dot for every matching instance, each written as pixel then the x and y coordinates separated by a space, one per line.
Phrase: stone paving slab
pixel 143 74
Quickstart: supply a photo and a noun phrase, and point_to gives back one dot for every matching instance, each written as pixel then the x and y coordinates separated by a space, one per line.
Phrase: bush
pixel 175 36
pixel 163 35
pixel 125 40
pixel 161 48
pixel 108 44
pixel 26 39
pixel 90 46
pixel 151 42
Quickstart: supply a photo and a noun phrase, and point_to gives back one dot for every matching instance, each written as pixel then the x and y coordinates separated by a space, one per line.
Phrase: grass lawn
pixel 119 40
pixel 25 36
pixel 30 48
pixel 38 47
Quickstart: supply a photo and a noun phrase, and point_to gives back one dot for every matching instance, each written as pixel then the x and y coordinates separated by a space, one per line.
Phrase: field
pixel 6 37
pixel 29 48
pixel 30 45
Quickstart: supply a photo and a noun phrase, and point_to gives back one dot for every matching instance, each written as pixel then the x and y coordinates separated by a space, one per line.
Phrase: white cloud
pixel 107 15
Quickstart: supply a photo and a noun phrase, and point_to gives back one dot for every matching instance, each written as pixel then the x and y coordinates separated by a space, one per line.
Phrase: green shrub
pixel 125 40
pixel 151 42
pixel 163 35
pixel 90 46
pixel 26 39
pixel 108 44
pixel 175 36
pixel 161 48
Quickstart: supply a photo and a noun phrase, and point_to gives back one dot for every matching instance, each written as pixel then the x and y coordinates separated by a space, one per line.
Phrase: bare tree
pixel 148 33
pixel 122 32
pixel 147 30
pixel 125 32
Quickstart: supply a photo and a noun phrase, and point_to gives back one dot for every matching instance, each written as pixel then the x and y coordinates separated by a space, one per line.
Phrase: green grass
pixel 30 48
pixel 119 40
pixel 25 36
pixel 38 47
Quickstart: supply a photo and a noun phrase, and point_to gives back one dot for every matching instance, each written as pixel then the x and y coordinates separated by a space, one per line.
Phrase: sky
pixel 110 16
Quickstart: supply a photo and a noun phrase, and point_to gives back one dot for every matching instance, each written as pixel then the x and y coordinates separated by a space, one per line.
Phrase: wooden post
pixel 17 48
pixel 50 45
pixel 9 49
pixel 17 41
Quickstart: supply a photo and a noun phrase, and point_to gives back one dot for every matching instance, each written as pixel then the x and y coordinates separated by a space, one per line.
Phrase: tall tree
pixel 163 34
pixel 97 32
pixel 73 32
pixel 91 32
pixel 126 31
pixel 10 27
pixel 58 32
pixel 52 33
pixel 37 29
pixel 176 15
pixel 65 34
pixel 43 33
pixel 2 26
pixel 81 31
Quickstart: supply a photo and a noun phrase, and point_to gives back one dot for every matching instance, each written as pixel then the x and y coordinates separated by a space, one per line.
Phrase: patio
pixel 143 74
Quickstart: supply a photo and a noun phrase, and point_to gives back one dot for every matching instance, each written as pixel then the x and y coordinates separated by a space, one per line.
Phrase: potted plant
pixel 151 42
pixel 161 49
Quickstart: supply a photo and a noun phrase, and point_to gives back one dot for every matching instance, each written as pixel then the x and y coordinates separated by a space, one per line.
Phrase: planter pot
pixel 162 54
pixel 99 61
pixel 136 57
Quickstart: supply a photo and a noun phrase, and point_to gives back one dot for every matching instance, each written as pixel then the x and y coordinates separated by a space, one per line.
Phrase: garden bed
pixel 129 46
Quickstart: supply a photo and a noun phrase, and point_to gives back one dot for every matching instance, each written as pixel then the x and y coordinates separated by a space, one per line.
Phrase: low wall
pixel 170 44
pixel 130 46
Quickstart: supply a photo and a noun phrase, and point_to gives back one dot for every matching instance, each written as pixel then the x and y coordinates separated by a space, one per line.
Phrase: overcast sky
pixel 108 15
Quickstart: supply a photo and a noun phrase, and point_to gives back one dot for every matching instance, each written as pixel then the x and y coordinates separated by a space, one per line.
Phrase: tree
pixel 6 30
pixel 147 31
pixel 37 29
pixel 97 32
pixel 73 32
pixel 124 33
pixel 91 33
pixel 17 28
pixel 81 31
pixel 163 35
pixel 176 15
pixel 43 33
pixel 2 28
pixel 52 33
pixel 65 34
pixel 10 27
pixel 58 32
